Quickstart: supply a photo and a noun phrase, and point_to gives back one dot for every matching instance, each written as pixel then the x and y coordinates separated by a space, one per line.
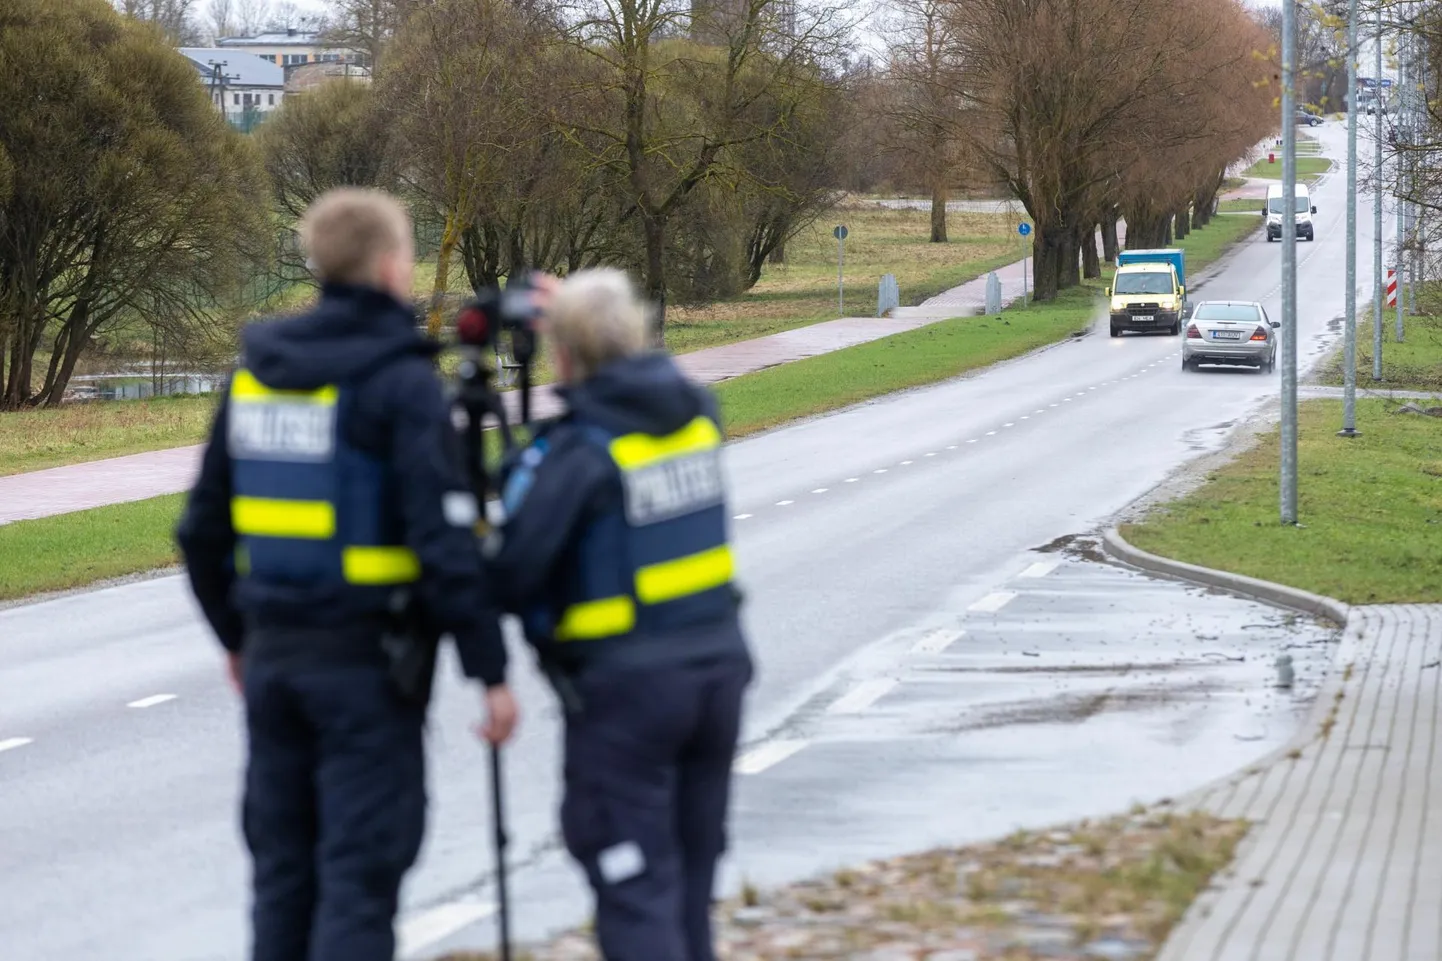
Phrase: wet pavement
pixel 1093 688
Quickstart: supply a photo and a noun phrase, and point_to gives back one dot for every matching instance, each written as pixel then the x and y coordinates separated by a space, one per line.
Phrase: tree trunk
pixel 1183 221
pixel 778 256
pixel 1091 263
pixel 938 209
pixel 1069 259
pixel 75 346
pixel 1111 245
pixel 449 238
pixel 1167 239
pixel 1046 263
pixel 654 228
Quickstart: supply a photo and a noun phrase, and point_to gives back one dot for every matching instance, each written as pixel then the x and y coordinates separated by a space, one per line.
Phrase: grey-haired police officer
pixel 329 541
pixel 614 551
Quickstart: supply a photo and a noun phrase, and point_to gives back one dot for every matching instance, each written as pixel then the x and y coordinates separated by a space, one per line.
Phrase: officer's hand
pixel 500 715
pixel 236 671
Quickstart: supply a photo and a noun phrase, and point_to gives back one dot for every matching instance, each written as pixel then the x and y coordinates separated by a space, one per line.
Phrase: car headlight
pixel 1169 305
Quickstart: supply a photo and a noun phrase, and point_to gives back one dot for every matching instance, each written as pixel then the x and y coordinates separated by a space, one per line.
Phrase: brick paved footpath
pixel 1344 859
pixel 117 480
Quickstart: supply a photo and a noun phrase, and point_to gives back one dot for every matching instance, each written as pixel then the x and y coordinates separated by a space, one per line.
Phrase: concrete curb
pixel 1276 594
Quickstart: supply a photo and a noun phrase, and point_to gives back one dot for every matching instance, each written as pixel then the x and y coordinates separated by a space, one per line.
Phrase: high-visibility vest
pixel 306 506
pixel 659 562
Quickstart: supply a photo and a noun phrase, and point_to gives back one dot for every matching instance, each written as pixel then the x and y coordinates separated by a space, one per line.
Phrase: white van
pixel 1302 212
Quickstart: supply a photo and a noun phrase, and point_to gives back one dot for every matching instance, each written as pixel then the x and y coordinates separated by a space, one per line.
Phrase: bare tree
pixel 221 17
pixel 252 16
pixel 174 17
pixel 366 27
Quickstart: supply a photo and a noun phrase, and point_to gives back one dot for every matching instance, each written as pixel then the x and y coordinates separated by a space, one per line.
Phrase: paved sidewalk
pixel 62 490
pixel 1344 859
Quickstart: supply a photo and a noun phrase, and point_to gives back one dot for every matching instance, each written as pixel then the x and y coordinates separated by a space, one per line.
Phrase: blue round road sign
pixel 1023 229
pixel 840 232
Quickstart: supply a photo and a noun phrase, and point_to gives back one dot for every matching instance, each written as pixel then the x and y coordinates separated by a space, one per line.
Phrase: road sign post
pixel 1024 229
pixel 840 234
pixel 1377 215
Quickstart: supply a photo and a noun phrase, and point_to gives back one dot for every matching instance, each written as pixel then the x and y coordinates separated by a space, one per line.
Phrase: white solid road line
pixel 771 753
pixel 420 932
pixel 14 742
pixel 936 641
pixel 993 602
pixel 152 700
pixel 1041 569
pixel 862 696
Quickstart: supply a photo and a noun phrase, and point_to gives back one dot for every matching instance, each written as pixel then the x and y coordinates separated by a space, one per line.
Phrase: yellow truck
pixel 1149 291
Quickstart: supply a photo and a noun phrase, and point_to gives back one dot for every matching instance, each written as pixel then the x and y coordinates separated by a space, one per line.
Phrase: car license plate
pixel 1145 317
pixel 1226 335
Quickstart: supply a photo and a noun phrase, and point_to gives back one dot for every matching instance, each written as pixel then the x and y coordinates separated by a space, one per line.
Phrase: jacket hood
pixel 348 333
pixel 643 394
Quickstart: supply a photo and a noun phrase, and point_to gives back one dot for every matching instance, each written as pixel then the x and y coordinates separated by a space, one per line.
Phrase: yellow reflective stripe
pixel 669 580
pixel 590 620
pixel 244 387
pixel 262 517
pixel 380 565
pixel 631 451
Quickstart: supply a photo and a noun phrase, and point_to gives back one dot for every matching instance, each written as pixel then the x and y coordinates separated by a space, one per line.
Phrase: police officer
pixel 614 551
pixel 329 541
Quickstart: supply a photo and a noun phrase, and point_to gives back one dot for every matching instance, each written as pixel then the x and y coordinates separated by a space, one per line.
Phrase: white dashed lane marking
pixel 852 480
pixel 428 927
pixel 767 755
pixel 905 462
pixel 1041 569
pixel 862 696
pixel 740 517
pixel 13 742
pixel 820 490
pixel 784 503
pixel 879 470
pixel 994 601
pixel 936 641
pixel 152 700
pixel 990 433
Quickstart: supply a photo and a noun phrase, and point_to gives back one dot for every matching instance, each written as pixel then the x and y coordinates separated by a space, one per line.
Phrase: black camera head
pixel 493 310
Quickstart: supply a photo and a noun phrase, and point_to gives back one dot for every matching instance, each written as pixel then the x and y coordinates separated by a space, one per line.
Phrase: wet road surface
pixel 860 537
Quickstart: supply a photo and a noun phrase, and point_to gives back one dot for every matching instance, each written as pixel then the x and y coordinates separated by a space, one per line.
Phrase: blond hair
pixel 347 229
pixel 597 317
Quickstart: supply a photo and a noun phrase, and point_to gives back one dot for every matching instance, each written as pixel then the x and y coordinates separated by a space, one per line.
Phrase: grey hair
pixel 597 317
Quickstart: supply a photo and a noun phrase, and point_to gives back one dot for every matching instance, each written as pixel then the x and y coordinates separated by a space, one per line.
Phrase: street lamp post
pixel 1349 401
pixel 1377 277
pixel 1289 266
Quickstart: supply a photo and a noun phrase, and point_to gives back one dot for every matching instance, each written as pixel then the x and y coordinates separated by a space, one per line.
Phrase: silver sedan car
pixel 1230 333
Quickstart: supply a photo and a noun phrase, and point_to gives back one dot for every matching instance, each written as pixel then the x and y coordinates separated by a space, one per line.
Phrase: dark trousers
pixel 334 808
pixel 648 779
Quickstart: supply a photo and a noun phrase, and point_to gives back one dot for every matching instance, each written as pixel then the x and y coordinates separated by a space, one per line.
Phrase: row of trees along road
pixel 686 141
pixel 1088 110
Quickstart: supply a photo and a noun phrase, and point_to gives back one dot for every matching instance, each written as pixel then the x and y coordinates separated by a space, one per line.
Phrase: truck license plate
pixel 1144 317
pixel 1226 335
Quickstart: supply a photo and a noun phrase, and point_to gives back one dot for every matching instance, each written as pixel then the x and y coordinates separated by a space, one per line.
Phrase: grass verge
pixel 1370 509
pixel 1414 364
pixel 1110 888
pixel 1308 168
pixel 923 356
pixel 36 439
pixel 1206 246
pixel 73 550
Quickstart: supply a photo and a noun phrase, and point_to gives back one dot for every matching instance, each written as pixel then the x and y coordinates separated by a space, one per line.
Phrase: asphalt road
pixel 926 675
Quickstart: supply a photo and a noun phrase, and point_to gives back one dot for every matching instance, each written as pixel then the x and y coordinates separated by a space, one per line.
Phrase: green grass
pixel 1243 206
pixel 1204 247
pixel 1308 168
pixel 1414 364
pixel 910 359
pixel 1370 509
pixel 73 550
pixel 36 439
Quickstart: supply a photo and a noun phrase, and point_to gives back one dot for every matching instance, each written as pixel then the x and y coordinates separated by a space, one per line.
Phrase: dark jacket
pixel 576 481
pixel 366 340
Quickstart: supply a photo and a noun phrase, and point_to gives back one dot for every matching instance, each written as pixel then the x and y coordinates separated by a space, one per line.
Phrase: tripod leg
pixel 498 813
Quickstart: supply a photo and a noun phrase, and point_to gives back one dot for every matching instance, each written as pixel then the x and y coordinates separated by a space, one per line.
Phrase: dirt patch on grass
pixel 1113 888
